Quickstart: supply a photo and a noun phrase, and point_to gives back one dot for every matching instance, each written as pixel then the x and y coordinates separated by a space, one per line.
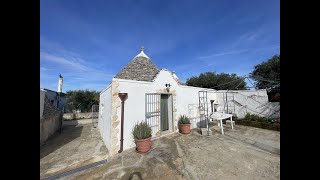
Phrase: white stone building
pixel 57 98
pixel 158 97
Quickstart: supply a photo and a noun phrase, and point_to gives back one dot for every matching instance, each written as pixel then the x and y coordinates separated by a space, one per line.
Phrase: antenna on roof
pixel 142 48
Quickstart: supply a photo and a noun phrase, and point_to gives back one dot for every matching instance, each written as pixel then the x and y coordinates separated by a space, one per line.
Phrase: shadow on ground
pixel 60 139
pixel 194 156
pixel 75 147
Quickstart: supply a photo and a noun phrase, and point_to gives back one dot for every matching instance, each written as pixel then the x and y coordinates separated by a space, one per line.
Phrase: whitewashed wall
pixel 248 101
pixel 188 103
pixel 104 122
pixel 134 107
pixel 185 102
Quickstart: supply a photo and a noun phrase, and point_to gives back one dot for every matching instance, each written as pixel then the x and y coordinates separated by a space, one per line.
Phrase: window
pixel 51 101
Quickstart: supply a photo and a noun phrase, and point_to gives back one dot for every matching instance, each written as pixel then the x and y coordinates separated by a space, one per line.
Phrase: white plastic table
pixel 220 116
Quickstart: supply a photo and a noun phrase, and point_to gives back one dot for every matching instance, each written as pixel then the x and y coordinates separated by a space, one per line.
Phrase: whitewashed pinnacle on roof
pixel 142 54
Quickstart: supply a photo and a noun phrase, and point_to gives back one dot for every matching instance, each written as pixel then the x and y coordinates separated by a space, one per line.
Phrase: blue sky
pixel 88 42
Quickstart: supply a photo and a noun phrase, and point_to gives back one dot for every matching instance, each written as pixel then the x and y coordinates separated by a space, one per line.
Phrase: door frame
pixel 152 113
pixel 170 114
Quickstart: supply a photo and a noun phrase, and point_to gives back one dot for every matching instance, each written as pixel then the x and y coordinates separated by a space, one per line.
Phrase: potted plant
pixel 184 124
pixel 142 135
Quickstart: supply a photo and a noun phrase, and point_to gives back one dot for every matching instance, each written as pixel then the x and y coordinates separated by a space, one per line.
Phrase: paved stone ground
pixel 75 147
pixel 242 153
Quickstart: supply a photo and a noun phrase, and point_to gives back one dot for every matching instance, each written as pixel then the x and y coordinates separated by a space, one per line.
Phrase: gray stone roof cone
pixel 140 68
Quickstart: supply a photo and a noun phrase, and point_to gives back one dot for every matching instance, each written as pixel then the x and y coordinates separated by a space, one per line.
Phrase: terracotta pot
pixel 143 145
pixel 184 128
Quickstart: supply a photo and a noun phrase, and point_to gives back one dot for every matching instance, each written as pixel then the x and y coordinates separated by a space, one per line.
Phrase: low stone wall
pixel 50 121
pixel 79 122
pixel 74 116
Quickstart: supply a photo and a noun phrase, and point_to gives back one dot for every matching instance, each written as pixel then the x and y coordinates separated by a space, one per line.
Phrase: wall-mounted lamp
pixel 168 87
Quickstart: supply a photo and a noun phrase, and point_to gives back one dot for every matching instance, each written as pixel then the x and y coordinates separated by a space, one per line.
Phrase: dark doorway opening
pixel 164 112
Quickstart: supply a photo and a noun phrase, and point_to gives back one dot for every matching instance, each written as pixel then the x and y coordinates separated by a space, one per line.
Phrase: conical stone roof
pixel 140 68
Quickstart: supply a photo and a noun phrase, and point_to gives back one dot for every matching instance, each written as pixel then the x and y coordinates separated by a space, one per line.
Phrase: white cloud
pixel 43 68
pixel 66 61
pixel 224 53
pixel 78 72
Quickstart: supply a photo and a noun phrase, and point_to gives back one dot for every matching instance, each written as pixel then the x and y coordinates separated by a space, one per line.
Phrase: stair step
pixel 204 131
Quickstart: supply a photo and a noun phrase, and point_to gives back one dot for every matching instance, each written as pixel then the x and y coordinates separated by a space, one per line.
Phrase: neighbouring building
pixel 57 98
pixel 158 97
pixel 51 110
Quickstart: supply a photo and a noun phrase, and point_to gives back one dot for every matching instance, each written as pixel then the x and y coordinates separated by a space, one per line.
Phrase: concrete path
pixel 75 147
pixel 261 138
pixel 176 156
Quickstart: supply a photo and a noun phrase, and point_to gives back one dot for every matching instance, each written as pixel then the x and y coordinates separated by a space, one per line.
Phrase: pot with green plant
pixel 184 124
pixel 142 135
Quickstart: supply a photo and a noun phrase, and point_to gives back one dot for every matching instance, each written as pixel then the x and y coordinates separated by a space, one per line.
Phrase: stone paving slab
pixel 75 147
pixel 195 156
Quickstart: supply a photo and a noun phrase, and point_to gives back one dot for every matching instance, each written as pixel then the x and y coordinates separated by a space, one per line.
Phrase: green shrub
pixel 184 120
pixel 141 131
pixel 263 125
pixel 254 117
